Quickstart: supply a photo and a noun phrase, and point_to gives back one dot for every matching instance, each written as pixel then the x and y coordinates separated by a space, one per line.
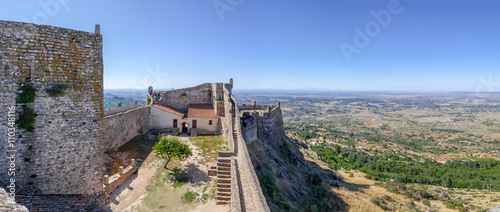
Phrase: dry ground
pixel 358 197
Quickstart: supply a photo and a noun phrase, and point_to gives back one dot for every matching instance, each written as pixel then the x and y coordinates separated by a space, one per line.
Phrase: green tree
pixel 170 147
pixel 337 149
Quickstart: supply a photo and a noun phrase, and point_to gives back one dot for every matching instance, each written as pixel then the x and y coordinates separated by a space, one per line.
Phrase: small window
pixel 175 123
pixel 194 124
pixel 209 122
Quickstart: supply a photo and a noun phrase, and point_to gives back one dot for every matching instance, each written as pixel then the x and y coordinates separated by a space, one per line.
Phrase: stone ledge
pixel 117 179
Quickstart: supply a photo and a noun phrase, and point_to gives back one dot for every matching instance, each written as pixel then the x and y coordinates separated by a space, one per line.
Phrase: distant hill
pixel 126 97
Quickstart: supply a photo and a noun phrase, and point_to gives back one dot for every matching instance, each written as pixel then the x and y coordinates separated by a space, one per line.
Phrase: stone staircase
pixel 224 161
pixel 224 178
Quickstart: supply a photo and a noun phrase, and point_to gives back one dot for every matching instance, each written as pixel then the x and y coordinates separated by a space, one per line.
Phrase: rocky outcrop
pixel 495 209
pixel 288 181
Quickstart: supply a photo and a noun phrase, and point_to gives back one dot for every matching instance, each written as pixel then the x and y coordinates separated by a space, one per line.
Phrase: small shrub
pixel 33 176
pixel 27 159
pixel 450 204
pixel 178 184
pixel 27 95
pixel 204 198
pixel 375 200
pixel 56 90
pixel 426 202
pixel 315 179
pixel 26 119
pixel 392 189
pixel 188 197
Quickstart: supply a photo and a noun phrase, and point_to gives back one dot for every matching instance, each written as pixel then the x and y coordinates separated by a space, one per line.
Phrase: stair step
pixel 224 180
pixel 223 185
pixel 224 173
pixel 224 159
pixel 223 165
pixel 212 172
pixel 223 194
pixel 224 189
pixel 225 154
pixel 225 198
pixel 222 202
pixel 223 168
pixel 224 176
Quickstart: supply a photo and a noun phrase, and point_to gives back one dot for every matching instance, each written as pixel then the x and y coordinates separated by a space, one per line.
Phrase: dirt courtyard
pixel 154 188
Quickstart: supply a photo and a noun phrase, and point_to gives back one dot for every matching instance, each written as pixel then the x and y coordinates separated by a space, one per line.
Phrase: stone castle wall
pixel 181 98
pixel 121 109
pixel 249 129
pixel 121 127
pixel 207 93
pixel 252 199
pixel 262 122
pixel 270 127
pixel 64 153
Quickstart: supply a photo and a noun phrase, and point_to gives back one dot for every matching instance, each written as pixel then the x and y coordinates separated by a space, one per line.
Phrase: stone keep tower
pixel 63 153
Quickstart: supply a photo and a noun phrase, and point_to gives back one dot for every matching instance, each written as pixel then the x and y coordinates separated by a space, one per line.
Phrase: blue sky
pixel 426 45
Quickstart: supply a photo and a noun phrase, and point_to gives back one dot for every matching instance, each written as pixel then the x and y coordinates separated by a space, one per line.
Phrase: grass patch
pixel 189 197
pixel 160 193
pixel 178 177
pixel 210 146
pixel 204 198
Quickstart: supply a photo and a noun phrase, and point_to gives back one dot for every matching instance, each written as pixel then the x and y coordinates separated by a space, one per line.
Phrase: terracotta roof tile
pixel 201 111
pixel 170 110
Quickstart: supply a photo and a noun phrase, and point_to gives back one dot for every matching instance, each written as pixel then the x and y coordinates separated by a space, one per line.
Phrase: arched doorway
pixel 185 126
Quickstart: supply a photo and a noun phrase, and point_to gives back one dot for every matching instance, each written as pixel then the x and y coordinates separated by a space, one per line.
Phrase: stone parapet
pixel 120 128
pixel 117 179
pixel 116 110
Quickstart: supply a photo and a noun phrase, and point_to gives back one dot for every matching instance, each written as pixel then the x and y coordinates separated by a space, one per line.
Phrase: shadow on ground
pixel 196 176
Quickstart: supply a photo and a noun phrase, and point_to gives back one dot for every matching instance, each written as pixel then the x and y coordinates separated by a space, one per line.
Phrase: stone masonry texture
pixel 119 128
pixel 64 154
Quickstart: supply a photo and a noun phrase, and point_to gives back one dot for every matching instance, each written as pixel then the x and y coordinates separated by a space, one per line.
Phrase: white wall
pixel 160 119
pixel 202 123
